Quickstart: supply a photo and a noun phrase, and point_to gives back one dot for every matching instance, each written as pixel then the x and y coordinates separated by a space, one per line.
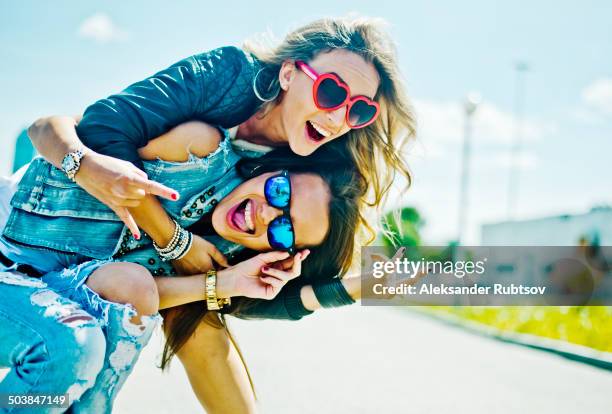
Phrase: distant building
pixel 24 151
pixel 594 227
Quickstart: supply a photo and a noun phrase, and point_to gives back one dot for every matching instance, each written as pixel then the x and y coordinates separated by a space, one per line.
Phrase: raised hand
pixel 118 184
pixel 262 276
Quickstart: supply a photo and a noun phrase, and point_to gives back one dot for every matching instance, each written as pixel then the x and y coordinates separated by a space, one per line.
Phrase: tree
pixel 401 227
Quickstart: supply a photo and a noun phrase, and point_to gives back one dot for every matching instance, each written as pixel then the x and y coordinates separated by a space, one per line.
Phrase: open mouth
pixel 240 217
pixel 314 133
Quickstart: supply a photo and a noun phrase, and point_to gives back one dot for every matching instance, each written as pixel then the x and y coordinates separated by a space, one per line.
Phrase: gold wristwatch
pixel 212 302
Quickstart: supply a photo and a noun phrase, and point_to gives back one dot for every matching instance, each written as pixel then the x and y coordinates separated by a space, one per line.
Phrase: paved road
pixel 376 360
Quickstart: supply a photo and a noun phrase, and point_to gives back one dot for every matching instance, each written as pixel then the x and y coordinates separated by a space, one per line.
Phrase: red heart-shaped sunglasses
pixel 330 93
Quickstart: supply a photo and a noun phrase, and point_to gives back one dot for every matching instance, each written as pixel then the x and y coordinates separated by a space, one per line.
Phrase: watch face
pixel 68 163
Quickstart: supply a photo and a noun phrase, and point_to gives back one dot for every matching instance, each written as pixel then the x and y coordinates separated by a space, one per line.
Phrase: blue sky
pixel 59 58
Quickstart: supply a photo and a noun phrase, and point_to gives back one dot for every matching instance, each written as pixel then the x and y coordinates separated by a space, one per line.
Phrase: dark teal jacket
pixel 215 87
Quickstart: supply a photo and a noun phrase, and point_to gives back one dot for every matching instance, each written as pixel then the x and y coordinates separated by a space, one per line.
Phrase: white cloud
pixel 445 121
pixel 101 29
pixel 598 95
pixel 494 124
pixel 436 163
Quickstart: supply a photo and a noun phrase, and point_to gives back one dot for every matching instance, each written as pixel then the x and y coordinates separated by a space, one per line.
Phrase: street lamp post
pixel 470 105
pixel 514 170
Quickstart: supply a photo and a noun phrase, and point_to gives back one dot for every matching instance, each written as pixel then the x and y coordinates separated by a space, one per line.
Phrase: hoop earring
pixel 258 95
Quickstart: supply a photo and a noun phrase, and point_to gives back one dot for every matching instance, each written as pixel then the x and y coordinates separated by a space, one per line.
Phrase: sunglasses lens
pixel 330 94
pixel 280 233
pixel 361 113
pixel 278 191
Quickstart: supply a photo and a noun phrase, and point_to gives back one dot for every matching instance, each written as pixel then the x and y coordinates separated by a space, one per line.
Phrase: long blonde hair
pixel 377 149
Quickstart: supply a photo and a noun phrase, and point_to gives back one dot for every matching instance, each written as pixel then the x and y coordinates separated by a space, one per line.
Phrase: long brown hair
pixel 327 260
pixel 376 149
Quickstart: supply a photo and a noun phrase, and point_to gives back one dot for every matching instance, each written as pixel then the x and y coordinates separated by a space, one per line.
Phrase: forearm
pixel 178 290
pixel 154 220
pixel 297 300
pixel 54 137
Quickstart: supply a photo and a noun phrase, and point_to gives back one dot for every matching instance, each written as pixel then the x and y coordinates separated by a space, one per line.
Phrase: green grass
pixel 589 326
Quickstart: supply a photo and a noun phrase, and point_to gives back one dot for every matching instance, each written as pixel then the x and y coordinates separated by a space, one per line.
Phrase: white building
pixel 565 230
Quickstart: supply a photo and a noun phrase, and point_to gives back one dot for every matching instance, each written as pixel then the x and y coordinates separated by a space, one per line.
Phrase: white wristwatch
pixel 72 162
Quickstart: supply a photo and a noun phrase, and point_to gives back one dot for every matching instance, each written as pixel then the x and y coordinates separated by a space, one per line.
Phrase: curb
pixel 579 353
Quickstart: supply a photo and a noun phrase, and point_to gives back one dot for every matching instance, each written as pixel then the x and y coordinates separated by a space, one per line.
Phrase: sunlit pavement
pixel 375 360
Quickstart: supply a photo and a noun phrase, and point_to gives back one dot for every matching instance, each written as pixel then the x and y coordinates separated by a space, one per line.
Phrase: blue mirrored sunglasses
pixel 277 191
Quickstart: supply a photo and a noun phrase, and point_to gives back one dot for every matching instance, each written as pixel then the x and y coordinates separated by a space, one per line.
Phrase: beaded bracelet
pixel 187 246
pixel 173 241
pixel 185 239
pixel 178 247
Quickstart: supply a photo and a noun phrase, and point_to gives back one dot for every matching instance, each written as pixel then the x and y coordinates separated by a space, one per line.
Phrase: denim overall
pixel 71 226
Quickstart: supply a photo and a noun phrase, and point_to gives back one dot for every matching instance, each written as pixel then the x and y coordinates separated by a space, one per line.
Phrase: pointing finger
pixel 161 190
pixel 129 221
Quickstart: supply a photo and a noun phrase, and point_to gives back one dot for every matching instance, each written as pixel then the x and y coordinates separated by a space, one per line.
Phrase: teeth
pixel 320 129
pixel 247 216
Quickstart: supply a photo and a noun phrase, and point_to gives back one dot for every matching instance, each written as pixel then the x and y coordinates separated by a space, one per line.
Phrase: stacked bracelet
pixel 173 241
pixel 178 246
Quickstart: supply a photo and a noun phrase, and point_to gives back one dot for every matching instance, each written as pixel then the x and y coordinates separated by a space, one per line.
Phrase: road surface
pixel 379 360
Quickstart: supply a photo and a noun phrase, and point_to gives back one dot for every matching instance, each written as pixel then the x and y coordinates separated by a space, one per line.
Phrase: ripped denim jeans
pixel 50 344
pixel 58 336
